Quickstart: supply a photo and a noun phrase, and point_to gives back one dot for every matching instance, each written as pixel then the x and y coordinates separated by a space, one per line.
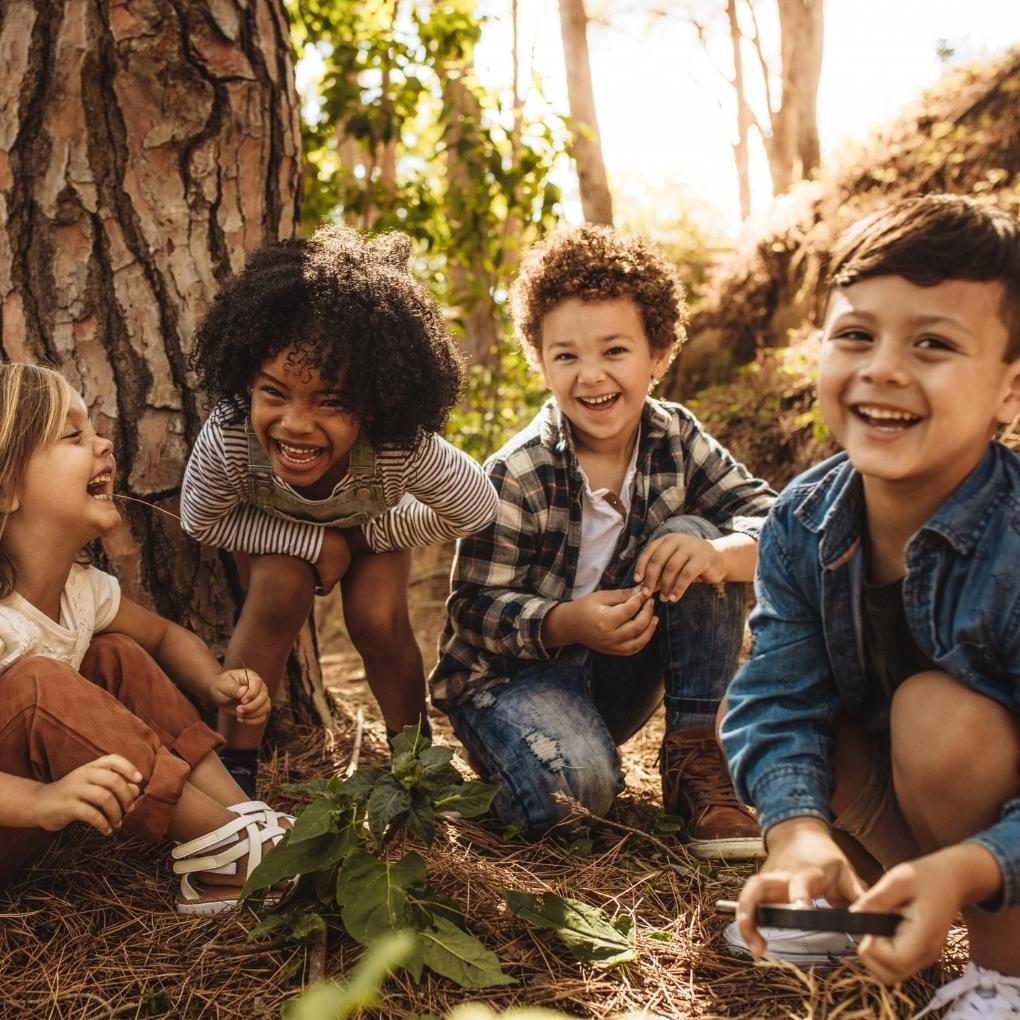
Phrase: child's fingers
pixel 121 766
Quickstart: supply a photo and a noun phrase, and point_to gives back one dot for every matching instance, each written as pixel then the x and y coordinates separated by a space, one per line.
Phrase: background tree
pixel 471 170
pixel 596 199
pixel 145 150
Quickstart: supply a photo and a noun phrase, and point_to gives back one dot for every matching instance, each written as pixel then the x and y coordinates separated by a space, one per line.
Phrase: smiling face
pixel 598 363
pixel 912 380
pixel 67 485
pixel 300 421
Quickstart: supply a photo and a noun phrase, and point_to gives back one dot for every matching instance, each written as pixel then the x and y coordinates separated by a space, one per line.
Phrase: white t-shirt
pixel 88 603
pixel 603 516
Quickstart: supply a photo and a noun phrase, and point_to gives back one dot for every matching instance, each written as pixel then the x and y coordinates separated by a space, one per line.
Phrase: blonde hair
pixel 34 403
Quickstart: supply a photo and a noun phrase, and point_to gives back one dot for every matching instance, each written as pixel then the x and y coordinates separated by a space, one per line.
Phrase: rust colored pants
pixel 52 720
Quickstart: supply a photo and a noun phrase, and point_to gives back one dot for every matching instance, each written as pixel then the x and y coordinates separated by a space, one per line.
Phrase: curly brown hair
pixel 595 263
pixel 358 316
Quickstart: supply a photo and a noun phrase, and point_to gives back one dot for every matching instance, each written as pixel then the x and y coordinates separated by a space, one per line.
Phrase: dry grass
pixel 90 931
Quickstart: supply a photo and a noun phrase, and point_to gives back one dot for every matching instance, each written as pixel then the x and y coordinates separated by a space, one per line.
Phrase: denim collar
pixel 834 508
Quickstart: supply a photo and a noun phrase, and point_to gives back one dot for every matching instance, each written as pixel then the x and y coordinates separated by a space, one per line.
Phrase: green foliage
pixel 336 859
pixel 588 932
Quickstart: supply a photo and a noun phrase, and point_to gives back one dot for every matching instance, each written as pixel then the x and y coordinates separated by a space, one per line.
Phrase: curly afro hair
pixel 595 263
pixel 352 308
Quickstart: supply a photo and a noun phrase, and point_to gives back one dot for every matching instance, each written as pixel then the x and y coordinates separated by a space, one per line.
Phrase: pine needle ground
pixel 89 932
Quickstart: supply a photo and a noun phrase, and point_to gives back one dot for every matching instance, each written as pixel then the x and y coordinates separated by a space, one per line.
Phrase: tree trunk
pixel 596 200
pixel 744 118
pixel 145 150
pixel 470 286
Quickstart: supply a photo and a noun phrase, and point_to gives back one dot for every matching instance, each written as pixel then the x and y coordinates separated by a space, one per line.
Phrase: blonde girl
pixel 92 727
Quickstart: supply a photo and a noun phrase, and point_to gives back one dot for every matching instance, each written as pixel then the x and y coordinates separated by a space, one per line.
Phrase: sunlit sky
pixel 666 116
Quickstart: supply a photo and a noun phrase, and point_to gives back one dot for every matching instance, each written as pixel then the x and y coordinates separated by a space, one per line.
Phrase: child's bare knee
pixel 378 628
pixel 282 586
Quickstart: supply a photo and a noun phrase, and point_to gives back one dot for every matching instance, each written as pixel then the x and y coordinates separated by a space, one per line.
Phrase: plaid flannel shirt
pixel 508 576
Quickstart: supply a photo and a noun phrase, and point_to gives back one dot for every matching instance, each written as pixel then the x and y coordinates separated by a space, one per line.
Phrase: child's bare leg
pixel 281 590
pixel 956 761
pixel 375 610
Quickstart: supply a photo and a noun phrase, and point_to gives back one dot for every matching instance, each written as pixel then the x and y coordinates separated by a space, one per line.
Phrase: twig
pixel 359 732
pixel 678 862
pixel 317 958
pixel 151 506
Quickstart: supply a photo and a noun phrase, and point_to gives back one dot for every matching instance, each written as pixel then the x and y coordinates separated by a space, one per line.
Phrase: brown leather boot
pixel 696 786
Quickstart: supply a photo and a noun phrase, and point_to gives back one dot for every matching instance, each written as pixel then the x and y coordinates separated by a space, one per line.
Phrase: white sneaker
pixel 977 994
pixel 804 948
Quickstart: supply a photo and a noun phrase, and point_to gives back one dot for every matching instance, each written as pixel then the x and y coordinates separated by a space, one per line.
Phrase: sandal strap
pixel 251 843
pixel 211 839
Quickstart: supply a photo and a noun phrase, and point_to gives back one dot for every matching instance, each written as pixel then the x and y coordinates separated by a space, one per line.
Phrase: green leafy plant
pixel 590 934
pixel 337 858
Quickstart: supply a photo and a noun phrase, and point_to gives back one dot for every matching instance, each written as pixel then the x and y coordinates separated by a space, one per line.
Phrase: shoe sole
pixel 727 849
pixel 802 960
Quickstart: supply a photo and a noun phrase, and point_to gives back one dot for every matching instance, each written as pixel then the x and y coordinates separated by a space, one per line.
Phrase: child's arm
pixel 214 501
pixel 99 794
pixel 189 663
pixel 612 622
pixel 453 497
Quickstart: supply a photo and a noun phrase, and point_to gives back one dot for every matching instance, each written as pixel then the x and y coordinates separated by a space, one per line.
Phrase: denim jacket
pixel 961 596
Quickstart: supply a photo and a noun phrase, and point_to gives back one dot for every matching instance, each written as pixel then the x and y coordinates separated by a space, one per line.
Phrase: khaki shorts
pixel 874 818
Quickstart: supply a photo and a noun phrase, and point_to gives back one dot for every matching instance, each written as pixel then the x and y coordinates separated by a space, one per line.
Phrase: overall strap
pixel 260 473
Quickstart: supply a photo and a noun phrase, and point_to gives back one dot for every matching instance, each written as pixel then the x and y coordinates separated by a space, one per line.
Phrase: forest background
pixel 147 147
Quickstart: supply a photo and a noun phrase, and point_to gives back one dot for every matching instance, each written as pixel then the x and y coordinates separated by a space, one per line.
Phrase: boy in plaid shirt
pixel 617 563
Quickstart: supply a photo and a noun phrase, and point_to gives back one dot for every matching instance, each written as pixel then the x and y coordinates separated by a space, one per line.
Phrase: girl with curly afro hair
pixel 321 464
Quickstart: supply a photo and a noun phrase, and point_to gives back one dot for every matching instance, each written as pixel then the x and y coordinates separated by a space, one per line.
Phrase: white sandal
pixel 246 834
pixel 261 811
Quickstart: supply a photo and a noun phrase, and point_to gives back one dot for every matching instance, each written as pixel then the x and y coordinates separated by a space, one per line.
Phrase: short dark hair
pixel 594 263
pixel 360 318
pixel 934 238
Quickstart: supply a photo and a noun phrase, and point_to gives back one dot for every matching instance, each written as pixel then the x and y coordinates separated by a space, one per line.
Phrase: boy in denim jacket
pixel 614 563
pixel 875 725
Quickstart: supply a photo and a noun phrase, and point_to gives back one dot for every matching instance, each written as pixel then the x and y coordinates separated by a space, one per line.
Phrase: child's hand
pixel 927 892
pixel 804 864
pixel 243 693
pixel 614 622
pixel 98 794
pixel 671 564
pixel 334 561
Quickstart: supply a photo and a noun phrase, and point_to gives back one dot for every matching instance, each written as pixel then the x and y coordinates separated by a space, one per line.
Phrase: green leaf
pixel 359 786
pixel 410 741
pixel 406 768
pixel 389 800
pixel 470 800
pixel 420 822
pixel 588 932
pixel 287 860
pixel 432 905
pixel 306 924
pixel 461 957
pixel 268 924
pixel 374 895
pixel 437 771
pixel 313 820
pixel 669 823
pixel 328 1000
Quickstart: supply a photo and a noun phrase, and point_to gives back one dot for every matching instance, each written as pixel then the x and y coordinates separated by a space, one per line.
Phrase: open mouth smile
pixel 600 403
pixel 101 487
pixel 885 419
pixel 296 455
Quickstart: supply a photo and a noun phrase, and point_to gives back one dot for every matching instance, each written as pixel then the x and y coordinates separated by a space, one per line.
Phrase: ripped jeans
pixel 554 728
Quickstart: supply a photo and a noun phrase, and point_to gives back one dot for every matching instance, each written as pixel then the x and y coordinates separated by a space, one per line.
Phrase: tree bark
pixel 596 200
pixel 744 117
pixel 146 149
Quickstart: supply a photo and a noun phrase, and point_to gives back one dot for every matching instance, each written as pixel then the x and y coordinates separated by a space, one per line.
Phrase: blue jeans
pixel 555 728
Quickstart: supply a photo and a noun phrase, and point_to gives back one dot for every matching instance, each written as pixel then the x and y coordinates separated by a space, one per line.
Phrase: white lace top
pixel 89 603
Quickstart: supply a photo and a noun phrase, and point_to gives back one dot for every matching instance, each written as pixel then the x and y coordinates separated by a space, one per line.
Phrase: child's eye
pixel 935 343
pixel 564 356
pixel 856 336
pixel 270 391
pixel 74 435
pixel 616 350
pixel 333 404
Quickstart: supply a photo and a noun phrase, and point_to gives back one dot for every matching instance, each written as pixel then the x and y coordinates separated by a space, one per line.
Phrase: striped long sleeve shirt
pixel 507 577
pixel 451 497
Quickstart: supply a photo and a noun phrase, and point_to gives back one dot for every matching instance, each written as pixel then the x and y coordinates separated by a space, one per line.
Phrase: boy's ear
pixel 9 506
pixel 1009 406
